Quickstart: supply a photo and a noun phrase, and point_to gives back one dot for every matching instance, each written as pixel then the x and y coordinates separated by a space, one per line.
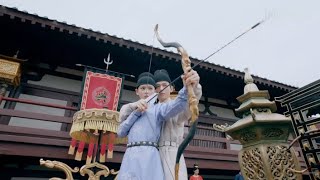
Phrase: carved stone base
pixel 268 162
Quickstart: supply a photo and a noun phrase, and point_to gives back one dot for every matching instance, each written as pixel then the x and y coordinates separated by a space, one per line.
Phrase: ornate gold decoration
pixel 311 159
pixel 61 166
pixel 280 162
pixel 247 135
pixel 264 135
pixel 100 119
pixel 316 174
pixel 86 169
pixel 89 121
pixel 113 172
pixel 10 71
pixel 306 146
pixel 253 166
pixel 301 131
pixel 268 162
pixel 272 132
pixel 222 128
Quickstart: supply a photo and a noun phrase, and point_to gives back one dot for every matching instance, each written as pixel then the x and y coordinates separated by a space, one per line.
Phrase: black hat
pixel 195 167
pixel 161 75
pixel 146 78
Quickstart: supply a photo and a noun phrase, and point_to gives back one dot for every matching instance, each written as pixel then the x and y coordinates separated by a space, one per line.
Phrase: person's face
pixel 145 90
pixel 165 94
pixel 196 172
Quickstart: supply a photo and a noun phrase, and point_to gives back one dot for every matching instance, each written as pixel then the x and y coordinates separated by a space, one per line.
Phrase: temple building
pixel 37 106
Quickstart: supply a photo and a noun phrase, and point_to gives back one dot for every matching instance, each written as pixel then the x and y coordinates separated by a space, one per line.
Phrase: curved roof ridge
pixel 72 28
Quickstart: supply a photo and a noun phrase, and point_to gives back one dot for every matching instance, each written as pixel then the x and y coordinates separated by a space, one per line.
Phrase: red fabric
pixel 103 149
pixel 101 91
pixel 195 178
pixel 96 149
pixel 82 143
pixel 90 149
pixel 81 146
pixel 112 137
pixel 103 144
pixel 73 142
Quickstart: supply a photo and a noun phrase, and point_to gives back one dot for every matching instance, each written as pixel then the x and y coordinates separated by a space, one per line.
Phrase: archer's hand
pixel 141 105
pixel 191 77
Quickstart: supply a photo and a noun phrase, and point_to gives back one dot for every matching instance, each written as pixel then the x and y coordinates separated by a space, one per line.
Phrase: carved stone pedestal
pixel 268 161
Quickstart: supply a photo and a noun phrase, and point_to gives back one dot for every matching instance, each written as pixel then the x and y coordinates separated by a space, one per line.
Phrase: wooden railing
pixel 208 138
pixel 209 147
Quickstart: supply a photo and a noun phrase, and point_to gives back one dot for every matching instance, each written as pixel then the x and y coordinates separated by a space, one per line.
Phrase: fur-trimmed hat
pixel 161 75
pixel 146 78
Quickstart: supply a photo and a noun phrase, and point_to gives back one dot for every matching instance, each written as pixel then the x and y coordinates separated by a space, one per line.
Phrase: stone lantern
pixel 264 136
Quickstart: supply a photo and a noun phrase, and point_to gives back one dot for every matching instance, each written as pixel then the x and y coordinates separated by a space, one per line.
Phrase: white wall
pixel 218 101
pixel 47 81
pixel 59 83
pixel 223 112
pixel 23 122
pixel 236 147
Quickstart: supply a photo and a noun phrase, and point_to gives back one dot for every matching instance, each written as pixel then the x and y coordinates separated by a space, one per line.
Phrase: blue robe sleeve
pixel 126 125
pixel 186 114
pixel 173 108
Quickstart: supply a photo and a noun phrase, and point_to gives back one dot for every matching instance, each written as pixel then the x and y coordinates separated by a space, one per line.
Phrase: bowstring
pixel 152 47
pixel 149 70
pixel 267 17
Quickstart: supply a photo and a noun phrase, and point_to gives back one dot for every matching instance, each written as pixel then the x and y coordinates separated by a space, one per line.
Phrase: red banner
pixel 101 91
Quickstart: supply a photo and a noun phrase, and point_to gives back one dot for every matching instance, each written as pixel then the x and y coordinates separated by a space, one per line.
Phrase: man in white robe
pixel 173 129
pixel 141 160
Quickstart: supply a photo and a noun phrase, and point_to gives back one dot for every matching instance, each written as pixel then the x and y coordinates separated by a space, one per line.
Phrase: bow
pixel 193 101
pixel 186 63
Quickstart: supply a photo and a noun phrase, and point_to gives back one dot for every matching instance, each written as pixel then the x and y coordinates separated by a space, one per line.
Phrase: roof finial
pixel 247 76
pixel 250 86
pixel 108 62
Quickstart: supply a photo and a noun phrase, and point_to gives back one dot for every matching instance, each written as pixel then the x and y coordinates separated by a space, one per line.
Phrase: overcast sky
pixel 284 49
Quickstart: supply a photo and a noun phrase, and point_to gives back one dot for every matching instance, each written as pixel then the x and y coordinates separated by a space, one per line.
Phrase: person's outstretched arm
pixel 172 108
pixel 186 115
